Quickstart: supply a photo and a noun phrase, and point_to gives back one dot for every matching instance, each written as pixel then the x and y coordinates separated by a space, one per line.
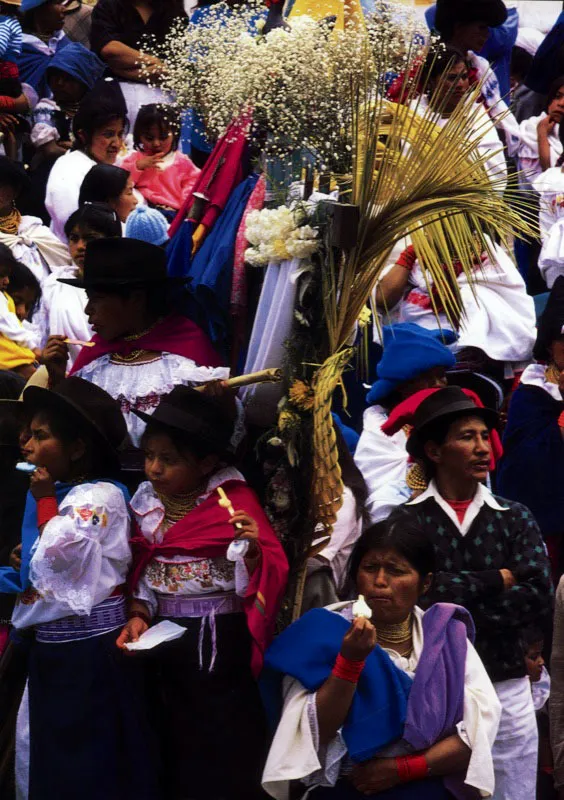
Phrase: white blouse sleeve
pixel 92 524
pixel 478 729
pixel 294 751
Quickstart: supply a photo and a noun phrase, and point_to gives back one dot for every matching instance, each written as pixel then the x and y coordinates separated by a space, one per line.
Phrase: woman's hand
pixel 249 531
pixel 55 357
pixel 546 126
pixel 148 162
pixel 360 640
pixel 16 558
pixel 133 629
pixel 375 776
pixel 41 484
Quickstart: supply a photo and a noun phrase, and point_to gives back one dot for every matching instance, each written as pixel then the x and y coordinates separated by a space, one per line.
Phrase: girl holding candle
pixel 187 569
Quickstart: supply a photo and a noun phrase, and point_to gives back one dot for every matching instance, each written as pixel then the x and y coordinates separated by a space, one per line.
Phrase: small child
pixel 533 644
pixel 162 174
pixel 19 293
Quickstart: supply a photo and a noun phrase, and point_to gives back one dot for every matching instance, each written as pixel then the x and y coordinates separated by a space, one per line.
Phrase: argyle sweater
pixel 467 574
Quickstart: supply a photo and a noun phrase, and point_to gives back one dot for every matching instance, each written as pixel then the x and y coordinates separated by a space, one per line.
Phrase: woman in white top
pixel 99 128
pixel 86 720
pixel 540 146
pixel 357 678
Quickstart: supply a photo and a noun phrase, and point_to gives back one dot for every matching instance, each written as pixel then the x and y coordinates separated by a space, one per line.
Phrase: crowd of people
pixel 144 648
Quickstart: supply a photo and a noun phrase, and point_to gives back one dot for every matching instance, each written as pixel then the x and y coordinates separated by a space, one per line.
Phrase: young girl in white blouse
pixel 86 724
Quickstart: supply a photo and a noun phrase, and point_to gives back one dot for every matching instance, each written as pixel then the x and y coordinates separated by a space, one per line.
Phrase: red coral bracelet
pixel 412 768
pixel 347 670
pixel 47 508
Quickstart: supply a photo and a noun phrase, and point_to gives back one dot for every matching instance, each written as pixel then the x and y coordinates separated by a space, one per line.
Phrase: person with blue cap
pixel 413 359
pixel 148 225
pixel 42 24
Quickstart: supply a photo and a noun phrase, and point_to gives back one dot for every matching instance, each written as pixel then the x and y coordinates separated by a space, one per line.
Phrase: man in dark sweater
pixel 491 559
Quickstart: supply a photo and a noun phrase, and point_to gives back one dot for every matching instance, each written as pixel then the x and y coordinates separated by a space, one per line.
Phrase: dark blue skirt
pixel 430 789
pixel 89 734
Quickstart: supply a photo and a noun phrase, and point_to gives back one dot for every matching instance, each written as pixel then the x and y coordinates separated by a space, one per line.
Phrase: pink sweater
pixel 163 187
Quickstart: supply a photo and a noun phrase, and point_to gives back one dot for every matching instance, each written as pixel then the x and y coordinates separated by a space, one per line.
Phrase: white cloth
pixel 541 690
pixel 140 386
pixel 44 130
pixel 63 189
pixel 499 315
pixel 535 375
pixel 550 186
pixel 36 247
pixel 61 311
pixel 383 462
pixel 515 751
pixel 272 326
pixel 528 160
pixel 483 495
pixel 22 748
pixel 485 137
pixel 12 328
pixel 346 531
pixel 495 105
pixel 294 753
pixel 139 94
pixel 81 556
pixel 183 575
pixel 529 39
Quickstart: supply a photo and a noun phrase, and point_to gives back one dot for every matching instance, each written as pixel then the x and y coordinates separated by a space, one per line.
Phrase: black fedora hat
pixel 122 262
pixel 199 417
pixel 449 12
pixel 449 403
pixel 88 405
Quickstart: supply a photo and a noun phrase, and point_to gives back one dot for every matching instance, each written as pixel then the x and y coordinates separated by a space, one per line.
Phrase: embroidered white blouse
pixel 140 386
pixel 181 574
pixel 295 752
pixel 82 555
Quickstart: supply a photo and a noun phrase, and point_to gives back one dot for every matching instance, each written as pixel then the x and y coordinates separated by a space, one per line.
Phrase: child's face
pixel 66 90
pixel 153 141
pixel 125 203
pixel 171 472
pixel 24 300
pixel 44 450
pixel 4 278
pixel 78 239
pixel 534 661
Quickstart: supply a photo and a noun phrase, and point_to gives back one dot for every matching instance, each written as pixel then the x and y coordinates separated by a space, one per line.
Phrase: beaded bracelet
pixel 412 768
pixel 47 508
pixel 347 670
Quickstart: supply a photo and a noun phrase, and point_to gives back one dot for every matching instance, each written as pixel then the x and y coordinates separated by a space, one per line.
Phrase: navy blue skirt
pixel 89 734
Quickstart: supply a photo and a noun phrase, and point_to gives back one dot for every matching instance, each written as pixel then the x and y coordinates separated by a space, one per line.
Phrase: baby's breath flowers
pixel 300 81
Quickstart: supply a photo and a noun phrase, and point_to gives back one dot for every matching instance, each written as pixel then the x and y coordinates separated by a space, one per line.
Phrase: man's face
pixel 471 35
pixel 465 454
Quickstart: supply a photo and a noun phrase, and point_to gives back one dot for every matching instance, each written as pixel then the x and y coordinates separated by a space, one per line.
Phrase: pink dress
pixel 168 183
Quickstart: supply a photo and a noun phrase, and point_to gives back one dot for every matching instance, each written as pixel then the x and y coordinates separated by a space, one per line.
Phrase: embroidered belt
pixel 105 617
pixel 206 608
pixel 186 606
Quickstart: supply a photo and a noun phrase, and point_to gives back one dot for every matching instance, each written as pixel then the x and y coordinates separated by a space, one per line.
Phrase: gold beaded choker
pixel 552 374
pixel 132 337
pixel 178 506
pixel 395 634
pixel 11 222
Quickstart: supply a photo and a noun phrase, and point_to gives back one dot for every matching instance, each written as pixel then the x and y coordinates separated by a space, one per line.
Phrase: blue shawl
pixel 14 582
pixel 33 65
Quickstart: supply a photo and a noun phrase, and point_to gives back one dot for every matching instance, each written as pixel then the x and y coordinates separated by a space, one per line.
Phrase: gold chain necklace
pixel 132 337
pixel 178 506
pixel 552 374
pixel 116 357
pixel 11 222
pixel 395 634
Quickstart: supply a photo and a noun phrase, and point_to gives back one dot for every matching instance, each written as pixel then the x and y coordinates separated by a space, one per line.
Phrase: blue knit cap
pixel 409 350
pixel 147 224
pixel 28 5
pixel 78 62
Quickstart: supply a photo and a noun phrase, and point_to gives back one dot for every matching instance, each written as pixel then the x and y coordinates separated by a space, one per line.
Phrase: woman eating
pixel 98 127
pixel 220 573
pixel 379 698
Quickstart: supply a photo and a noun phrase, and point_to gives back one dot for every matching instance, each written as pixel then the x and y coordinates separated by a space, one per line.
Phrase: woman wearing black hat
pixel 28 238
pixel 85 720
pixel 141 348
pixel 532 468
pixel 206 557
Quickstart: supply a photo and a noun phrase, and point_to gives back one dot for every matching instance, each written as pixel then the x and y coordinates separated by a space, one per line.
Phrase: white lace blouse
pixel 82 555
pixel 181 574
pixel 140 386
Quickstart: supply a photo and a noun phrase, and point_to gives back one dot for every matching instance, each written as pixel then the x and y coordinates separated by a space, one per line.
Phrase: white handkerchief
pixel 165 631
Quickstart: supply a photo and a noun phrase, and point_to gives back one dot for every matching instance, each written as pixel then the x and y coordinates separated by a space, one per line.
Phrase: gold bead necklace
pixel 552 373
pixel 179 505
pixel 11 222
pixel 395 634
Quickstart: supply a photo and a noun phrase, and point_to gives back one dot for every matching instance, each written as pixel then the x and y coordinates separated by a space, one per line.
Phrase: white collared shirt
pixel 483 495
